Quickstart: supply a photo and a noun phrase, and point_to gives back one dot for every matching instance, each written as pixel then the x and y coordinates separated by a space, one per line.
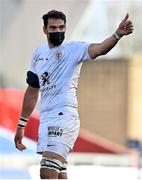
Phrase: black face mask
pixel 56 38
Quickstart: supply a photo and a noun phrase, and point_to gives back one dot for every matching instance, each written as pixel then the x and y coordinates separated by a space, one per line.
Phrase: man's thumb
pixel 126 17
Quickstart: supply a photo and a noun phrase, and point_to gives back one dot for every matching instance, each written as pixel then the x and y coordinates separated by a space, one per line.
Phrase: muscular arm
pixel 29 102
pixel 103 48
pixel 125 28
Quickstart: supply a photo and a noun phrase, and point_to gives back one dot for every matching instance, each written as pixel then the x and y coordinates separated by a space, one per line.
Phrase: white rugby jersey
pixel 58 71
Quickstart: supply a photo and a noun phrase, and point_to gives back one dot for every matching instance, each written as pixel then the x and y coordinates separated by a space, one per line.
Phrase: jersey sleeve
pixel 81 51
pixel 33 62
pixel 32 77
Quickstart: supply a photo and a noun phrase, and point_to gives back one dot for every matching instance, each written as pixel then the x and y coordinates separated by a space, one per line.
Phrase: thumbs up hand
pixel 125 27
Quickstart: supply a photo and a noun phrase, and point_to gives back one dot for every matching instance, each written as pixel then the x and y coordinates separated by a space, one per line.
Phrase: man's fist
pixel 18 139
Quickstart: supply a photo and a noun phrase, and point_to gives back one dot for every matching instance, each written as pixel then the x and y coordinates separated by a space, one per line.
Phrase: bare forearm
pixel 29 103
pixel 102 48
pixel 107 45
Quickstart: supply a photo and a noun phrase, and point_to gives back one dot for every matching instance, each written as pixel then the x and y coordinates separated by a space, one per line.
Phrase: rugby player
pixel 54 72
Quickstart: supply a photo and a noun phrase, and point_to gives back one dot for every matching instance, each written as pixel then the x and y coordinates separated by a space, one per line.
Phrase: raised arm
pixel 125 28
pixel 29 102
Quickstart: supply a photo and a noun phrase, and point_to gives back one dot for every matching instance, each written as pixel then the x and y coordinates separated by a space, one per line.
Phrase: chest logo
pixel 58 55
pixel 45 78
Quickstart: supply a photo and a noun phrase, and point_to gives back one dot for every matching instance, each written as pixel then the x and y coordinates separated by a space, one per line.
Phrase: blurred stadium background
pixel 110 89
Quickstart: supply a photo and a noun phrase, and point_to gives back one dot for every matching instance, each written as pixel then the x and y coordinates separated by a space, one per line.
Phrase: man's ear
pixel 44 30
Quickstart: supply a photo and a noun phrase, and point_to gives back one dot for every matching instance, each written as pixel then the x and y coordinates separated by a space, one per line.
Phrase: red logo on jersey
pixel 58 55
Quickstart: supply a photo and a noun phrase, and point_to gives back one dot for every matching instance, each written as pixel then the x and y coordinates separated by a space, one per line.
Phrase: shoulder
pixel 41 48
pixel 75 44
pixel 38 51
